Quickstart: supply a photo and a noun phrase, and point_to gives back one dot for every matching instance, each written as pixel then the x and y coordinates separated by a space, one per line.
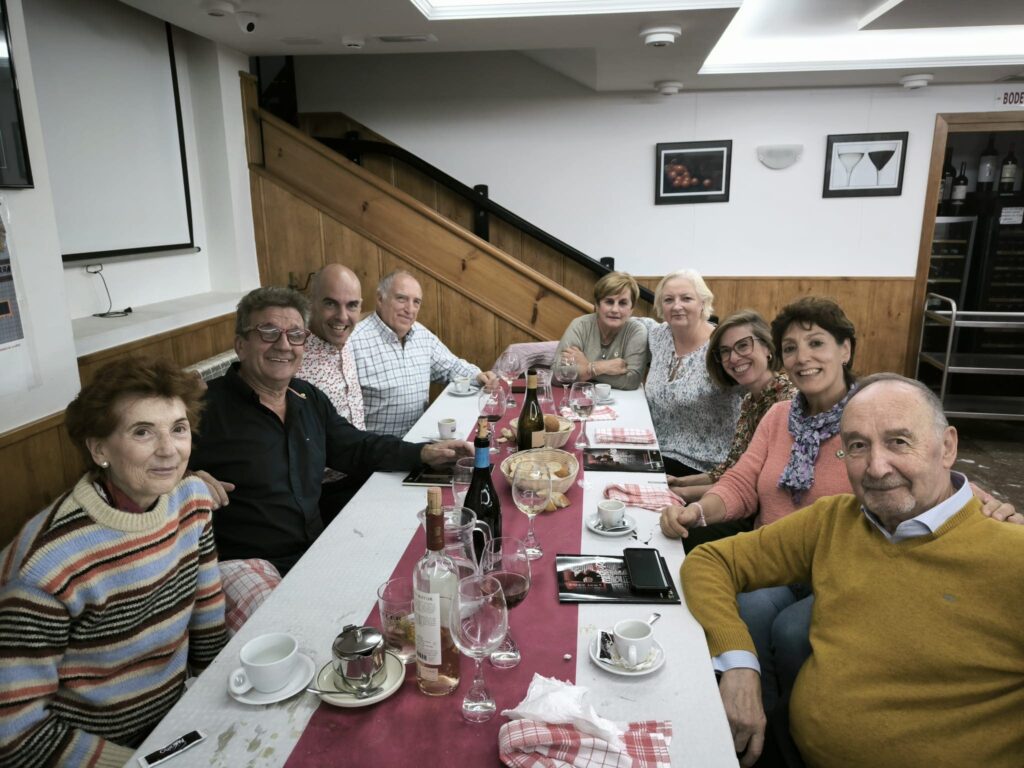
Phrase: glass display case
pixel 952 247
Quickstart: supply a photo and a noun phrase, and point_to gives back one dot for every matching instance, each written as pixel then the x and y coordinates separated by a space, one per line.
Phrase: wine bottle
pixel 948 174
pixel 530 431
pixel 435 582
pixel 1008 173
pixel 960 187
pixel 481 496
pixel 987 166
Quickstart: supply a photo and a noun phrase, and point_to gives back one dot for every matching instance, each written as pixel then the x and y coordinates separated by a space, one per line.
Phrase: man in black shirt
pixel 270 436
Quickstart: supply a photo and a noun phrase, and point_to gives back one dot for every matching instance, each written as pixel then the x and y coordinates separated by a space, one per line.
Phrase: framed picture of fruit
pixel 865 164
pixel 692 172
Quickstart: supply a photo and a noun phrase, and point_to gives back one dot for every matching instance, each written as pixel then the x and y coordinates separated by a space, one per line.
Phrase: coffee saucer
pixel 304 669
pixel 654 662
pixel 606 401
pixel 326 681
pixel 468 393
pixel 628 526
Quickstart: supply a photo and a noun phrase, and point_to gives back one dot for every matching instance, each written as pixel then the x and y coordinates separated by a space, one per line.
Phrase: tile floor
pixel 991 453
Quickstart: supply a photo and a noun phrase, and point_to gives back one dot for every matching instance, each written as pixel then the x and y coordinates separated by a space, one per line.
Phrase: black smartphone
pixel 646 569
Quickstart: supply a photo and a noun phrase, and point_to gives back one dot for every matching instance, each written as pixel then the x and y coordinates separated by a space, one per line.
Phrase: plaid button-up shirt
pixel 395 377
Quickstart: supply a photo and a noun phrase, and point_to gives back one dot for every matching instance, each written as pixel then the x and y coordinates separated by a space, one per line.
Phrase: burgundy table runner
pixel 412 727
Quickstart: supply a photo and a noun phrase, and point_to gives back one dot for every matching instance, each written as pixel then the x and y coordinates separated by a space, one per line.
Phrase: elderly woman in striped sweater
pixel 110 594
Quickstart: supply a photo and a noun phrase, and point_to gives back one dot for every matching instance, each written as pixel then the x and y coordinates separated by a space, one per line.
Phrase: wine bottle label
pixel 947 187
pixel 428 630
pixel 1008 173
pixel 537 439
pixel 482 458
pixel 986 170
pixel 960 193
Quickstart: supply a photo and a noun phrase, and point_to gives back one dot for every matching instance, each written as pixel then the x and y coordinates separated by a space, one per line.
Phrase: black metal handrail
pixel 354 148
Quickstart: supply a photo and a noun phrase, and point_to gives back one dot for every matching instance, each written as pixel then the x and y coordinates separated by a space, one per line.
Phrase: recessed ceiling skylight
pixel 437 10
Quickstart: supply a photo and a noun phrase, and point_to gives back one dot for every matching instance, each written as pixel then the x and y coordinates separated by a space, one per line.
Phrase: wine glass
pixel 531 489
pixel 478 620
pixel 492 405
pixel 508 368
pixel 506 559
pixel 462 476
pixel 544 397
pixel 849 161
pixel 581 400
pixel 565 373
pixel 880 158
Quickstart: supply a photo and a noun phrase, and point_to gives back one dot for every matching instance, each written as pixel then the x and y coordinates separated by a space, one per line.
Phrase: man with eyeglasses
pixel 268 436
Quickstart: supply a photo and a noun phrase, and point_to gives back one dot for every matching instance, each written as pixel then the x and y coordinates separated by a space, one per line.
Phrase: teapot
pixel 358 654
pixel 464 536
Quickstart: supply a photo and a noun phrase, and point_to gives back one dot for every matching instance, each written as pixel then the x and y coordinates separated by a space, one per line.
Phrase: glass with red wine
pixel 506 559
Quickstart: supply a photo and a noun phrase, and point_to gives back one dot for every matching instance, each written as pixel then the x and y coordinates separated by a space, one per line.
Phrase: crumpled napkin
pixel 556 702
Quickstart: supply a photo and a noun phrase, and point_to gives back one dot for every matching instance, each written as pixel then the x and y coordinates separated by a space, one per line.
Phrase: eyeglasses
pixel 743 347
pixel 297 337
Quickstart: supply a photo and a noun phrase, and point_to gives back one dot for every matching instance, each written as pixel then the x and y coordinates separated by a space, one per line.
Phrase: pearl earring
pixel 104 465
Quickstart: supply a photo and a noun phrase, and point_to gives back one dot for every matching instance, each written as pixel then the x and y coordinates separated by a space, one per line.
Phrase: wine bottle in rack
pixel 481 496
pixel 959 194
pixel 435 581
pixel 530 430
pixel 1008 173
pixel 948 175
pixel 987 166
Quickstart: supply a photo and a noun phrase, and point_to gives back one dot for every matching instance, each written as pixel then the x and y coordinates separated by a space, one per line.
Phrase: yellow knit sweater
pixel 918 646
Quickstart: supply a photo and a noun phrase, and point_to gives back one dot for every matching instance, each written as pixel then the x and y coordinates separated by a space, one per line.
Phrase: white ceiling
pixel 724 43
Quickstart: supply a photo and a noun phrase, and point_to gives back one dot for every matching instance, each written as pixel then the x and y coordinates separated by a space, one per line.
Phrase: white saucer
pixel 617 670
pixel 594 524
pixel 325 680
pixel 472 391
pixel 304 669
pixel 609 401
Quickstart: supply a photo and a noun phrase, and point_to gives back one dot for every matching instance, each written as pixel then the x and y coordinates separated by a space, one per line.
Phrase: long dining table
pixel 335 583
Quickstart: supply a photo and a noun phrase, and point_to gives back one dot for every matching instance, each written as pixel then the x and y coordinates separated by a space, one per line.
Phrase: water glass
pixel 462 475
pixel 395 601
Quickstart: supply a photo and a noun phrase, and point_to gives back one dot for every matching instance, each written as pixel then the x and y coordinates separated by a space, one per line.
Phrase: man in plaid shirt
pixel 397 358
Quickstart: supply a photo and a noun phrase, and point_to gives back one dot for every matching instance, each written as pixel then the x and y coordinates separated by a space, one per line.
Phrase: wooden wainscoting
pixel 879 307
pixel 43 461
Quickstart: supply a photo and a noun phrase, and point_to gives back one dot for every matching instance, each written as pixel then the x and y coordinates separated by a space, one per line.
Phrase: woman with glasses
pixel 740 351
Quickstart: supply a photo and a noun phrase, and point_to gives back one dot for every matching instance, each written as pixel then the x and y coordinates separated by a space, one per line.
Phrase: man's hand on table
pixel 740 689
pixel 218 489
pixel 676 520
pixel 445 452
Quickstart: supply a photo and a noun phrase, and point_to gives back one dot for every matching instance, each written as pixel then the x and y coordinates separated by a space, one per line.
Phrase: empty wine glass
pixel 544 397
pixel 531 489
pixel 565 373
pixel 506 559
pixel 492 405
pixel 462 476
pixel 478 620
pixel 581 400
pixel 849 161
pixel 508 368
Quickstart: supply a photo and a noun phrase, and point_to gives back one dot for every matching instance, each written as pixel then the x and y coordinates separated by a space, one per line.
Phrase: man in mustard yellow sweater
pixel 918 625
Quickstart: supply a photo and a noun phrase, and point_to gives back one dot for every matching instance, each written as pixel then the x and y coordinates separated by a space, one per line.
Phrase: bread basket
pixel 551 456
pixel 553 439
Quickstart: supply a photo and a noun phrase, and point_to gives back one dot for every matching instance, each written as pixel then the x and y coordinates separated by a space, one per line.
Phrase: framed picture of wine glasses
pixel 692 172
pixel 865 164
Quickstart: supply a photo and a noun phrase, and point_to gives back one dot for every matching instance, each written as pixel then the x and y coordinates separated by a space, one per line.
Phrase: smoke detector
pixel 659 37
pixel 668 87
pixel 913 82
pixel 218 8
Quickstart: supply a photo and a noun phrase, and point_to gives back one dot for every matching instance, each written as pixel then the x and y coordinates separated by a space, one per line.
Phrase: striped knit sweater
pixel 100 611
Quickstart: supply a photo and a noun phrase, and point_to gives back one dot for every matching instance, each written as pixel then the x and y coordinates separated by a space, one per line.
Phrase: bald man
pixel 330 366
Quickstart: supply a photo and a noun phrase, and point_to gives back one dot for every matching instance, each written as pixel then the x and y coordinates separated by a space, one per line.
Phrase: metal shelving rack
pixel 952 362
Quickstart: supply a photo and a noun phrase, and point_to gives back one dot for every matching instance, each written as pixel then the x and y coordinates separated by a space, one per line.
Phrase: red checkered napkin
pixel 626 435
pixel 601 413
pixel 645 496
pixel 531 744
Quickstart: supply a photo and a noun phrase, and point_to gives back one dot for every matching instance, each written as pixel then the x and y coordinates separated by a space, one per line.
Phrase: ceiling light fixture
pixel 659 37
pixel 668 87
pixel 218 8
pixel 913 82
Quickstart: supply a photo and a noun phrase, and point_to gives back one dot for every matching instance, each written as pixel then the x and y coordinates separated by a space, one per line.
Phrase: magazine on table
pixel 605 579
pixel 622 460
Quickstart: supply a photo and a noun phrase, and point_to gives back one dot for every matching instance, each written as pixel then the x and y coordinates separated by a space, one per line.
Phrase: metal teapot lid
pixel 357 642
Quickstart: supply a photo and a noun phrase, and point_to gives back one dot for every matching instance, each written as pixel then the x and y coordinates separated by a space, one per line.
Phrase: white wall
pixel 202 285
pixel 581 164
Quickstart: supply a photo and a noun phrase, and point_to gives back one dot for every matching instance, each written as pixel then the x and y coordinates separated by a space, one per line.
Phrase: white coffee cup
pixel 461 384
pixel 611 512
pixel 634 639
pixel 446 429
pixel 603 391
pixel 268 663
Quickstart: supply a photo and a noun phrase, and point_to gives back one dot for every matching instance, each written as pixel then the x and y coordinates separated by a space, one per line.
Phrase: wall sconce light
pixel 779 156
